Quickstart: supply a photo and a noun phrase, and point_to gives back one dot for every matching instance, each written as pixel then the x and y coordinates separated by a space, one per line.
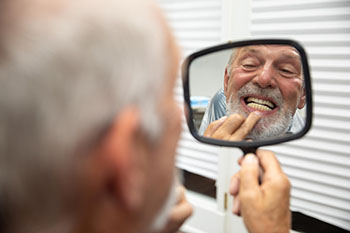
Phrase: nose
pixel 266 77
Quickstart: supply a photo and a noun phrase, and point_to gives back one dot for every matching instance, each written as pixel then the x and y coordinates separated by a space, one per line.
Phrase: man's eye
pixel 288 71
pixel 249 66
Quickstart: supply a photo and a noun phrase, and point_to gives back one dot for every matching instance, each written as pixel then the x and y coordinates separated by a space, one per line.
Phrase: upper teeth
pixel 260 104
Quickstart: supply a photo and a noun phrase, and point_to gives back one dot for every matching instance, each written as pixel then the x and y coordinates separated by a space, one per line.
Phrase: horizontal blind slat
pixel 321 188
pixel 316 207
pixel 319 164
pixel 297 5
pixel 196 24
pixel 318 177
pixel 306 15
pixel 324 25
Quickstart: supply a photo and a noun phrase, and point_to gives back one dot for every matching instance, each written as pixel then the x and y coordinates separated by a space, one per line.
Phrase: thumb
pixel 249 173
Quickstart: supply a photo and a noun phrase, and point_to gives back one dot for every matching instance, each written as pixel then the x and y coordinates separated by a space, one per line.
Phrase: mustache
pixel 269 93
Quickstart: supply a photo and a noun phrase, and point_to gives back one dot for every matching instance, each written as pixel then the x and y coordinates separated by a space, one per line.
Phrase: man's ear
pixel 226 79
pixel 120 149
pixel 302 100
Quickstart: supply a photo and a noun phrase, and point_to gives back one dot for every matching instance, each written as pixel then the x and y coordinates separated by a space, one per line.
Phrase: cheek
pixel 171 133
pixel 174 126
pixel 168 145
pixel 239 79
pixel 162 167
pixel 291 91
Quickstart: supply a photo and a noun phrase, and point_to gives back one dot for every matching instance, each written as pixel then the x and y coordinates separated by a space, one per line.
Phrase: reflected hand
pixel 179 214
pixel 265 207
pixel 233 128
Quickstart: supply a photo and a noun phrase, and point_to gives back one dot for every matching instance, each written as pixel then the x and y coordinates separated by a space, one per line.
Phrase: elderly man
pixel 89 125
pixel 264 84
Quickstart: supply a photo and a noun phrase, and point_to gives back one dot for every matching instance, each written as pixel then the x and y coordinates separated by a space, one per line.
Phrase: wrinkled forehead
pixel 269 51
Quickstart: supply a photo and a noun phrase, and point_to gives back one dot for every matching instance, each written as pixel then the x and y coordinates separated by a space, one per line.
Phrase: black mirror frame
pixel 247 146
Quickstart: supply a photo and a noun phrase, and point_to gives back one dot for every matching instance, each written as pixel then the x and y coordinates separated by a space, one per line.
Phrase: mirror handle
pixel 247 150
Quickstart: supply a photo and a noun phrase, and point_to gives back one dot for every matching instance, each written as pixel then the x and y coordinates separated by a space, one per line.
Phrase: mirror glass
pixel 248 93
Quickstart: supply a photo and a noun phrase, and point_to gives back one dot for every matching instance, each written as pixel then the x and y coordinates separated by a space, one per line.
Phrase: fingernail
pixel 258 113
pixel 223 118
pixel 250 159
pixel 236 206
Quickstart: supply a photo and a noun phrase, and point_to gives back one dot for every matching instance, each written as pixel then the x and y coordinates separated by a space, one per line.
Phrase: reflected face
pixel 268 79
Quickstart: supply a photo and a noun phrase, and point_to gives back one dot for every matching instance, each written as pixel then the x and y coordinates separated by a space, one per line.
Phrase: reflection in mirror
pixel 253 92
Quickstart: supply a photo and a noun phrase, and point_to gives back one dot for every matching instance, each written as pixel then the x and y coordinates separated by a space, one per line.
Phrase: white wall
pixel 207 73
pixel 317 165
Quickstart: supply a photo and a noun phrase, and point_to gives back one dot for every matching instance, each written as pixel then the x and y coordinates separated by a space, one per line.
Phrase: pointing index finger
pixel 246 127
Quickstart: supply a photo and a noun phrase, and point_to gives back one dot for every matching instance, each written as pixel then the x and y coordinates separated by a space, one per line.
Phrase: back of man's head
pixel 66 69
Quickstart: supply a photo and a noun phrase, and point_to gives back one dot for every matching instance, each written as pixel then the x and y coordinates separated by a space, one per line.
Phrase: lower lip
pixel 264 113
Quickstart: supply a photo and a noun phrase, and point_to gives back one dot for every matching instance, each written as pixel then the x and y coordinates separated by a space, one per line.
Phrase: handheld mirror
pixel 248 94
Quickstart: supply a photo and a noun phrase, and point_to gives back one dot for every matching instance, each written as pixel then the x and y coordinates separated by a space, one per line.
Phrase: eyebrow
pixel 245 51
pixel 290 56
pixel 285 55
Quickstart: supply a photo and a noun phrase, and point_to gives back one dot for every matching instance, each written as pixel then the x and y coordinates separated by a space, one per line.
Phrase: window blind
pixel 196 25
pixel 319 164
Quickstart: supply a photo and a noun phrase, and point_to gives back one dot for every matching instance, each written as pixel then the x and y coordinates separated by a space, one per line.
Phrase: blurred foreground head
pixel 86 90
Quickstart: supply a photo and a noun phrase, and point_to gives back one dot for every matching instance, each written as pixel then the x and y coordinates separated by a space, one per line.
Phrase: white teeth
pixel 260 101
pixel 259 107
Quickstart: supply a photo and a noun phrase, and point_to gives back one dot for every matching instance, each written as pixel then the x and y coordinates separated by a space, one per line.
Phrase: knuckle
pixel 210 126
pixel 244 129
pixel 248 196
pixel 283 183
pixel 237 117
pixel 240 117
pixel 219 135
pixel 189 211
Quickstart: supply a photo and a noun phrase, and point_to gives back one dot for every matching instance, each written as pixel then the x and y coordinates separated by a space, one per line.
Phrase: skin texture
pixel 129 176
pixel 266 68
pixel 264 207
pixel 178 215
pixel 232 128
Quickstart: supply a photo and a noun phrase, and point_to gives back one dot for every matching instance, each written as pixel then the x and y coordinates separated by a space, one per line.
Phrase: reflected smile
pixel 254 103
pixel 259 104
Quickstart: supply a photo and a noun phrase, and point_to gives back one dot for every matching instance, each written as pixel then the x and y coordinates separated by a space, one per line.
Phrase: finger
pixel 269 163
pixel 249 174
pixel 234 184
pixel 246 127
pixel 180 193
pixel 232 123
pixel 181 212
pixel 236 206
pixel 214 126
pixel 273 174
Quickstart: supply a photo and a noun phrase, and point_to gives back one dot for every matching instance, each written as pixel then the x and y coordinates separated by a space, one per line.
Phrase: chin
pixel 275 118
pixel 271 126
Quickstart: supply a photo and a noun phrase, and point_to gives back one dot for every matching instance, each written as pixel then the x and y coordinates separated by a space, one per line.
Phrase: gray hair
pixel 230 61
pixel 62 82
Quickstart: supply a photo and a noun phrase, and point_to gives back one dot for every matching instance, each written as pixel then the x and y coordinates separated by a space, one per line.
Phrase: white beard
pixel 161 218
pixel 267 127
